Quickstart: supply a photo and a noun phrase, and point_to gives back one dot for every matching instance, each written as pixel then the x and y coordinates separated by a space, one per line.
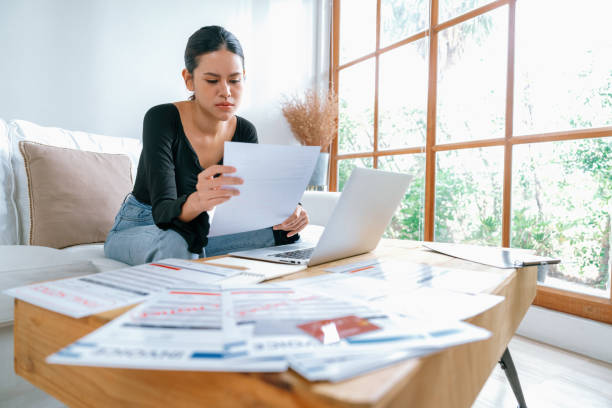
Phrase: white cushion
pixel 22 130
pixel 8 211
pixel 319 205
pixel 22 265
pixel 94 253
pixel 312 233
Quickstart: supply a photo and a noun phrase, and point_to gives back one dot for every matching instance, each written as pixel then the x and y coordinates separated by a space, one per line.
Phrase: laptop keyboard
pixel 297 254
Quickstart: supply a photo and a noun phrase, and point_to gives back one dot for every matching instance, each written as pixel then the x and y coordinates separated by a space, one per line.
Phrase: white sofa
pixel 22 264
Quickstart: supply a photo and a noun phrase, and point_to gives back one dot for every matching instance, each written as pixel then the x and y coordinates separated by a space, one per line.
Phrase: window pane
pixel 356 108
pixel 561 194
pixel 401 19
pixel 563 76
pixel 472 59
pixel 469 196
pixel 452 8
pixel 407 223
pixel 402 91
pixel 345 167
pixel 357 29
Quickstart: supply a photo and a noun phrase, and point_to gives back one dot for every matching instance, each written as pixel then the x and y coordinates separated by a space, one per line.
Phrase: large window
pixel 502 112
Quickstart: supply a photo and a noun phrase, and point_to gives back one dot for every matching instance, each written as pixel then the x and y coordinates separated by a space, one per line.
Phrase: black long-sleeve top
pixel 168 171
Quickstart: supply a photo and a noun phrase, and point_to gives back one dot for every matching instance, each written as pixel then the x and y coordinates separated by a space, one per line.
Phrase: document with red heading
pixel 181 329
pixel 91 294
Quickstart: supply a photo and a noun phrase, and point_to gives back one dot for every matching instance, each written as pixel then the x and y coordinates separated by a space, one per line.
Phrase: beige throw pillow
pixel 74 194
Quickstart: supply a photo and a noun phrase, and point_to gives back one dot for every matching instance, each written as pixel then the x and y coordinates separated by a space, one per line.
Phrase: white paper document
pixel 408 289
pixel 265 270
pixel 409 274
pixel 355 288
pixel 261 328
pixel 275 177
pixel 435 303
pixel 341 366
pixel 426 338
pixel 91 294
pixel 275 313
pixel 183 329
pixel 276 301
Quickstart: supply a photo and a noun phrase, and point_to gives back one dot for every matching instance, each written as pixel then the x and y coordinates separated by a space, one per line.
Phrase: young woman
pixel 181 175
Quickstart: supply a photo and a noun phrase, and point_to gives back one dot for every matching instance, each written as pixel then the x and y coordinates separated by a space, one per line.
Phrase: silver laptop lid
pixel 368 201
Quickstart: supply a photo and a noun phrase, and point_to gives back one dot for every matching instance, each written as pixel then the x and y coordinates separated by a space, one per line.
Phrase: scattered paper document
pixel 280 313
pixel 266 270
pixel 436 303
pixel 409 289
pixel 329 331
pixel 355 288
pixel 96 293
pixel 342 366
pixel 346 364
pixel 404 274
pixel 276 302
pixel 183 329
pixel 275 177
pixel 275 314
pixel 261 328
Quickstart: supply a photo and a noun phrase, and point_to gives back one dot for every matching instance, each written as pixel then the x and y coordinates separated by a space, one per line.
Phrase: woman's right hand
pixel 210 191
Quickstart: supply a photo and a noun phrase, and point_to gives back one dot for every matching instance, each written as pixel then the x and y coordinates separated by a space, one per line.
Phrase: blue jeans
pixel 135 239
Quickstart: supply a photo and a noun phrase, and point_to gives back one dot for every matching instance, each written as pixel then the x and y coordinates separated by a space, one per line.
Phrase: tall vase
pixel 318 181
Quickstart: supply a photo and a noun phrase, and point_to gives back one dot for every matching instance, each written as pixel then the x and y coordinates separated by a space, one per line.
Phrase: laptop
pixel 364 209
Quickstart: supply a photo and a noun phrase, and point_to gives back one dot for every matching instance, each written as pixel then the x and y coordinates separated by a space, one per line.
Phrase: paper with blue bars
pixel 262 328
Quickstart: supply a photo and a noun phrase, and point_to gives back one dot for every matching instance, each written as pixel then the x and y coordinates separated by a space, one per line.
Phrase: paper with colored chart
pixel 183 329
pixel 409 289
pixel 100 292
pixel 410 274
pixel 278 314
pixel 439 335
pixel 260 328
pixel 274 314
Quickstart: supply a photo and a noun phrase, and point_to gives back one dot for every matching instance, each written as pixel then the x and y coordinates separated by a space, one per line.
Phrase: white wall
pixel 98 65
pixel 584 336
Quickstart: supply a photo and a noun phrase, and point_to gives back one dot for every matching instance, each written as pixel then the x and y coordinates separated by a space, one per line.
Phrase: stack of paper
pixel 183 329
pixel 100 292
pixel 212 317
pixel 409 274
pixel 262 328
pixel 428 337
pixel 407 289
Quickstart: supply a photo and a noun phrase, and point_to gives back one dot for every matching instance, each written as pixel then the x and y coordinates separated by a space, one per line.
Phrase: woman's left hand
pixel 295 223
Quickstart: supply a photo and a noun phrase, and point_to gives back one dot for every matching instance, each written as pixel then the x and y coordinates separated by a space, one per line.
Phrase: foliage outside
pixel 561 191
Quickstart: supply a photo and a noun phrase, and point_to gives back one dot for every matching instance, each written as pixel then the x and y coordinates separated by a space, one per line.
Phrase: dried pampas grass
pixel 312 119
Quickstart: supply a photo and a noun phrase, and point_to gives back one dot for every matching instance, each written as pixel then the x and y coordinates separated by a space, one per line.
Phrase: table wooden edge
pixel 404 384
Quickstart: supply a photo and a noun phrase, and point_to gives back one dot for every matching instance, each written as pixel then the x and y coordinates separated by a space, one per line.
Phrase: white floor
pixel 550 377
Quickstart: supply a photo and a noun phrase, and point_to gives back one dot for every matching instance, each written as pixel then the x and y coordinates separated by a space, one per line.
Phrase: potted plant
pixel 313 121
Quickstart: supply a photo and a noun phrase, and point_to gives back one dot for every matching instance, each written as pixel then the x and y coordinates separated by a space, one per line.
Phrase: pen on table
pixel 240 268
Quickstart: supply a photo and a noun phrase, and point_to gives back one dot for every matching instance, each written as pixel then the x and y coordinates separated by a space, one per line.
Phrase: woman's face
pixel 217 83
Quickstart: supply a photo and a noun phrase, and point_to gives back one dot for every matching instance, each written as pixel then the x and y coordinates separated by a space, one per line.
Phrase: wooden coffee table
pixel 450 378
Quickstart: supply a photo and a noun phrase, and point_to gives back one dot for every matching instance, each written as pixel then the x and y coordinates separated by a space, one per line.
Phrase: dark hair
pixel 208 39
